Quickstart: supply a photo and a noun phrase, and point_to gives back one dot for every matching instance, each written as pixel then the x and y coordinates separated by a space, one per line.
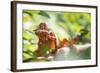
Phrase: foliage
pixel 64 24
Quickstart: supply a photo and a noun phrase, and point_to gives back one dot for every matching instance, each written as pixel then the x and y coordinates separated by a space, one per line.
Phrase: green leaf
pixel 44 14
pixel 30 47
pixel 26 56
pixel 26 35
pixel 30 12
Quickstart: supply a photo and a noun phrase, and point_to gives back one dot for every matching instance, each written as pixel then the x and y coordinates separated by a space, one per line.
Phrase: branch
pixel 83 47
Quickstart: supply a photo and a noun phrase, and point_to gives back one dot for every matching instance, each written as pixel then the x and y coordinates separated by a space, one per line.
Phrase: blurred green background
pixel 64 24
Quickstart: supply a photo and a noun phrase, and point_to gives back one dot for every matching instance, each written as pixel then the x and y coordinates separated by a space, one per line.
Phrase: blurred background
pixel 64 24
